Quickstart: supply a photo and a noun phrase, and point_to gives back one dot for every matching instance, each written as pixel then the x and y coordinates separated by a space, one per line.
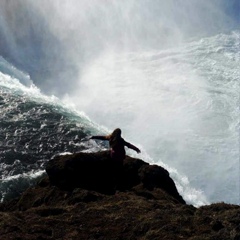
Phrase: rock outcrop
pixel 86 196
pixel 97 171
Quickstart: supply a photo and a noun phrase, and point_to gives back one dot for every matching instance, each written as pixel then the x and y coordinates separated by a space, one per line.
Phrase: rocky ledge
pixel 87 196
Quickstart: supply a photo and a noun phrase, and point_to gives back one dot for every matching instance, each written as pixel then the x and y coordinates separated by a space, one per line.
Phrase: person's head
pixel 116 133
pixel 115 137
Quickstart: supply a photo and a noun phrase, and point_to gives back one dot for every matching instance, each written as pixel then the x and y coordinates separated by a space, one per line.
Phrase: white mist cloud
pixel 54 40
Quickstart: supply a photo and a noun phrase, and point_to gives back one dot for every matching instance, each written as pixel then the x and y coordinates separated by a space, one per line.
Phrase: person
pixel 117 144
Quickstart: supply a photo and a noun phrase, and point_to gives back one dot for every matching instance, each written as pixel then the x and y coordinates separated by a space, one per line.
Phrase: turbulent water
pixel 33 128
pixel 179 103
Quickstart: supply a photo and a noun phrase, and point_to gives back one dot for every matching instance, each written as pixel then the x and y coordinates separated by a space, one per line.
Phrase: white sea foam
pixel 190 194
pixel 13 185
pixel 181 104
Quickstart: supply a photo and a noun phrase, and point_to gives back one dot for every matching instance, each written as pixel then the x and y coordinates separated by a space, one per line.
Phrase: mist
pixel 53 41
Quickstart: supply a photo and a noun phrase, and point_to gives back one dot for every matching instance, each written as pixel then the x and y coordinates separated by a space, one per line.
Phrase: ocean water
pixel 77 69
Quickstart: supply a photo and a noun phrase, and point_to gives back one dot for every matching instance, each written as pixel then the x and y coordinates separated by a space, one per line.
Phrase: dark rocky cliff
pixel 97 171
pixel 86 196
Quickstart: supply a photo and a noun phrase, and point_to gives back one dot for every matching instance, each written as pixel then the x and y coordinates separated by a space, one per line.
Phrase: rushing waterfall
pixel 166 72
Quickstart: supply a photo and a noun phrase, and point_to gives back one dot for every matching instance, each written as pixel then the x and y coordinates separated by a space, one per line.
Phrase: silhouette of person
pixel 118 154
pixel 117 144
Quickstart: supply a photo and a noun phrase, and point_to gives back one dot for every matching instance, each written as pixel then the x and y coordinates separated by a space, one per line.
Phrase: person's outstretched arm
pixel 100 137
pixel 129 145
